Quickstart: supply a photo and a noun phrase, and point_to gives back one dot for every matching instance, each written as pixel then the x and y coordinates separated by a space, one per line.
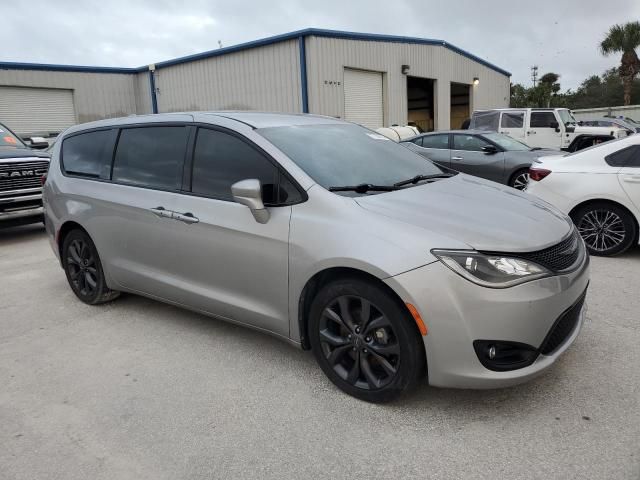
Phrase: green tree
pixel 624 39
pixel 549 87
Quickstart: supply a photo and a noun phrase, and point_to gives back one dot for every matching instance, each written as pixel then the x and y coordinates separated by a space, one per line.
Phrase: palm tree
pixel 549 86
pixel 624 38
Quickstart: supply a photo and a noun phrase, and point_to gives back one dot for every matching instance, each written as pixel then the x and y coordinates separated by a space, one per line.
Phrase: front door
pixel 467 156
pixel 544 131
pixel 228 264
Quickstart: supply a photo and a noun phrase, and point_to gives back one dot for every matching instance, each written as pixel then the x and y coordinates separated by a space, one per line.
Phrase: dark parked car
pixel 489 155
pixel 21 172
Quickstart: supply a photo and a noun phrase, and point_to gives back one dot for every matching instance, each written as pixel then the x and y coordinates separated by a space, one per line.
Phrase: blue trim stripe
pixel 372 37
pixel 67 68
pixel 303 73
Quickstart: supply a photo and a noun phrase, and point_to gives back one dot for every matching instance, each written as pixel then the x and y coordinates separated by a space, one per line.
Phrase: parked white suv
pixel 540 127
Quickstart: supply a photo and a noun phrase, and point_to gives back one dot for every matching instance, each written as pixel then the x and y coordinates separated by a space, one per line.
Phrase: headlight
pixel 493 271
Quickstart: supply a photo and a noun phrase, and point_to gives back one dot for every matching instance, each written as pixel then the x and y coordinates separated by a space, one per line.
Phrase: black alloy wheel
pixel 365 340
pixel 605 228
pixel 84 270
pixel 359 342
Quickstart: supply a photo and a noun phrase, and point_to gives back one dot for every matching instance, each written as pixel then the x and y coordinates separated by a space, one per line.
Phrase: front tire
pixel 365 341
pixel 605 228
pixel 84 270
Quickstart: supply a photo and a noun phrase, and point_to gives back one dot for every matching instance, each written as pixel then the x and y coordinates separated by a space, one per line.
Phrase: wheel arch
pixel 64 230
pixel 325 276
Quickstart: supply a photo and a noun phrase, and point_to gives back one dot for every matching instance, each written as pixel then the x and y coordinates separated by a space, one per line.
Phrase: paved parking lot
pixel 137 389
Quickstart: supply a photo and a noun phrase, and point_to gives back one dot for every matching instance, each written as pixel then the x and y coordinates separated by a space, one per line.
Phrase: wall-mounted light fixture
pixel 476 80
pixel 405 69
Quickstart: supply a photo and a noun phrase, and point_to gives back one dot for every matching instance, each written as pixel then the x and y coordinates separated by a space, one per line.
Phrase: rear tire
pixel 365 341
pixel 606 228
pixel 519 179
pixel 84 270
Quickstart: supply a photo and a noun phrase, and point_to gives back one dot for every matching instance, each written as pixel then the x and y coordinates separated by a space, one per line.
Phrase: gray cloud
pixel 560 36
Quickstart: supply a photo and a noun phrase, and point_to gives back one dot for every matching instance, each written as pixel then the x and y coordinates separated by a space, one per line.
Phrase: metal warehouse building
pixel 375 80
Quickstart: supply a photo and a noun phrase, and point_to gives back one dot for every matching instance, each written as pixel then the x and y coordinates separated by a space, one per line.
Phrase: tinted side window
pixel 436 141
pixel 542 119
pixel 89 154
pixel 468 142
pixel 627 157
pixel 221 159
pixel 151 157
pixel 417 141
pixel 512 120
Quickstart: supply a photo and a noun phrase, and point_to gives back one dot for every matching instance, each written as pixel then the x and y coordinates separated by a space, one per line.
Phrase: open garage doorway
pixel 460 104
pixel 420 97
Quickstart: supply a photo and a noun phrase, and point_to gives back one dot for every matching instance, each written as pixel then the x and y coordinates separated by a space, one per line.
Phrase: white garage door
pixel 363 97
pixel 34 110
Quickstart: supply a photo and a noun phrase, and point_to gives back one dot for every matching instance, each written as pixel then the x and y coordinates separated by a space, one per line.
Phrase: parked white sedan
pixel 599 187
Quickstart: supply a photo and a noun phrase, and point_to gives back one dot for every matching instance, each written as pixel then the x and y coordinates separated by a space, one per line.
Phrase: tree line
pixel 617 86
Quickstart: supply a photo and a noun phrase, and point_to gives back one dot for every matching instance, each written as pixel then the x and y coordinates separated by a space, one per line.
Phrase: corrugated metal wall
pixel 95 95
pixel 263 78
pixel 327 58
pixel 142 91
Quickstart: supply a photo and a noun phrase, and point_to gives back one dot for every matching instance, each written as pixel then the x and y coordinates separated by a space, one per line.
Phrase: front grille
pixel 562 328
pixel 22 175
pixel 558 257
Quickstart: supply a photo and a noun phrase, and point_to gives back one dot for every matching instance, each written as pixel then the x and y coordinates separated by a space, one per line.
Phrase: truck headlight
pixel 493 271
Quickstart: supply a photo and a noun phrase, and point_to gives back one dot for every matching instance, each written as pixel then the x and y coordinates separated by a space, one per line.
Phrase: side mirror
pixel 555 125
pixel 489 149
pixel 38 143
pixel 249 193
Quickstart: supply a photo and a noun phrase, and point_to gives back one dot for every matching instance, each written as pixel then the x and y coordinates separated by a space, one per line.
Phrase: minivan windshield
pixel 345 154
pixel 506 142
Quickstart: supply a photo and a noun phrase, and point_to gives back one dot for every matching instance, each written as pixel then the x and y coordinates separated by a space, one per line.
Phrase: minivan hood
pixel 485 215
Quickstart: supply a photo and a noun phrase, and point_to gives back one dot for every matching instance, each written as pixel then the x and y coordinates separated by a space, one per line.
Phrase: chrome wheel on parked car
pixel 605 228
pixel 520 180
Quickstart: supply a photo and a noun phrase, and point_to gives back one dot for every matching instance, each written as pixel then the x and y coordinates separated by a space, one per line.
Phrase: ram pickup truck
pixel 21 171
pixel 554 128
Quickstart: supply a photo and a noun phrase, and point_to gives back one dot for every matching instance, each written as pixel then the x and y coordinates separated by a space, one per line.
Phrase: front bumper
pixel 458 312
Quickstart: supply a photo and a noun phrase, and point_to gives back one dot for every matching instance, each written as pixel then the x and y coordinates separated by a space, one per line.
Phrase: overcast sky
pixel 560 35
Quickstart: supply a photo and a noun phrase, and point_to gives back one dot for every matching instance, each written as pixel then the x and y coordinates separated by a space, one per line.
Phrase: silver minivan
pixel 392 270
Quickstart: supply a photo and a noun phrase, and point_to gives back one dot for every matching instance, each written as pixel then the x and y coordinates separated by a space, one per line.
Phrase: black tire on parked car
pixel 606 228
pixel 365 340
pixel 519 179
pixel 84 270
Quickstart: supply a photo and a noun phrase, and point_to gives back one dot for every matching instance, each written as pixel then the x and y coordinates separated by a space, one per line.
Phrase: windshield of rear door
pixel 347 154
pixel 8 139
pixel 506 142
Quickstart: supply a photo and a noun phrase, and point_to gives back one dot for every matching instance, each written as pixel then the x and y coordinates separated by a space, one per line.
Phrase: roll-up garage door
pixel 363 97
pixel 36 110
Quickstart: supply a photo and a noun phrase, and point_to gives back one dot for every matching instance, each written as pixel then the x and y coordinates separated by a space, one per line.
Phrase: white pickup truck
pixel 554 128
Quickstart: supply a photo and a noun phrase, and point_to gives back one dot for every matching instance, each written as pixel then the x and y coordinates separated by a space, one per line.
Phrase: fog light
pixel 492 352
pixel 502 356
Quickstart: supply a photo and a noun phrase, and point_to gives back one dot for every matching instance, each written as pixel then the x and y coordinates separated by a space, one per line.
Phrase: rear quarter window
pixel 89 154
pixel 627 157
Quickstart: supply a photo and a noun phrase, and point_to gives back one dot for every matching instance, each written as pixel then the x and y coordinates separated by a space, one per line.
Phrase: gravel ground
pixel 137 389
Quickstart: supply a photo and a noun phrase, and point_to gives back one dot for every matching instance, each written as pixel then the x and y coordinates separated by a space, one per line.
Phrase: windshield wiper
pixel 364 188
pixel 420 178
